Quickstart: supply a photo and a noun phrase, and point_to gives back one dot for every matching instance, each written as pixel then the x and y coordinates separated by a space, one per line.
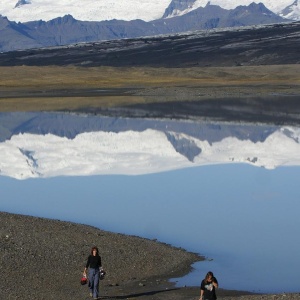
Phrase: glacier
pixel 147 10
pixel 88 10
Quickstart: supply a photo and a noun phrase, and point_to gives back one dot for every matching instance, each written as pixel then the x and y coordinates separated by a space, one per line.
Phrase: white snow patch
pixel 134 153
pixel 87 10
pixel 91 10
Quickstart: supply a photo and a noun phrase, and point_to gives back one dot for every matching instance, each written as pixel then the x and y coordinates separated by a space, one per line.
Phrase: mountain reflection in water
pixel 55 144
pixel 244 219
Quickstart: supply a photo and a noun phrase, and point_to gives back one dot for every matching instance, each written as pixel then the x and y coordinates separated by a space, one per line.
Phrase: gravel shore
pixel 44 259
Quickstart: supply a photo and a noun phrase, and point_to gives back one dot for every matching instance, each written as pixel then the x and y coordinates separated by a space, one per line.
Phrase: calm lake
pixel 240 213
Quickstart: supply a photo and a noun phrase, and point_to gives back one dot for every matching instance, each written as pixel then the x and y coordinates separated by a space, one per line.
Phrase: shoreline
pixel 260 94
pixel 61 248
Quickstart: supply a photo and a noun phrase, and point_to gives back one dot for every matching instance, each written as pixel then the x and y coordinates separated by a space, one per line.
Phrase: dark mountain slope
pixel 272 44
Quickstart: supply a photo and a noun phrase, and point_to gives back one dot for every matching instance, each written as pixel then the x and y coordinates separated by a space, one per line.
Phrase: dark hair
pixel 94 248
pixel 209 274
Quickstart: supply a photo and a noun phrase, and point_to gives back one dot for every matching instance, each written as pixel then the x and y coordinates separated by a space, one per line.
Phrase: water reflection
pixel 242 217
pixel 53 144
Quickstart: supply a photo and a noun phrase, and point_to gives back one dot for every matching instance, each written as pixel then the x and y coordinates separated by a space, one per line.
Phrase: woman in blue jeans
pixel 94 264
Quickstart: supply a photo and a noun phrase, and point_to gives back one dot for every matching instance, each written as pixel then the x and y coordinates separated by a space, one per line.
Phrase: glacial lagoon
pixel 229 192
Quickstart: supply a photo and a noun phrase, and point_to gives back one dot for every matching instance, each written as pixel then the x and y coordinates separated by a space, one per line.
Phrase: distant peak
pixel 295 3
pixel 63 20
pixel 22 2
pixel 291 11
pixel 177 7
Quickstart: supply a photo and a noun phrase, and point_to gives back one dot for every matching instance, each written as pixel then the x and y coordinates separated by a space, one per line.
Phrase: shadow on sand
pixel 136 295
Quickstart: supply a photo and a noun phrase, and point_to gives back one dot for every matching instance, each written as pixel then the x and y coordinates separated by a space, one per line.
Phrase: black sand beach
pixel 44 259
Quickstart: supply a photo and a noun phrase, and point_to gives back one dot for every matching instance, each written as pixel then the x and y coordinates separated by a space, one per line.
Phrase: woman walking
pixel 208 287
pixel 94 264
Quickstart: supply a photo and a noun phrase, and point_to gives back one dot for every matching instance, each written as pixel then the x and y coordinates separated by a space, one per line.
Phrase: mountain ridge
pixel 67 30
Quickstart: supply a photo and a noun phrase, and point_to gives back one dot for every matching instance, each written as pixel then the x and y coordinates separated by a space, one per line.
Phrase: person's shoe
pixel 91 294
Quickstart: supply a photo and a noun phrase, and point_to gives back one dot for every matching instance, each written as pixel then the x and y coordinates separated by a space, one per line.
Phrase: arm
pixel 201 290
pixel 100 263
pixel 201 294
pixel 215 283
pixel 86 266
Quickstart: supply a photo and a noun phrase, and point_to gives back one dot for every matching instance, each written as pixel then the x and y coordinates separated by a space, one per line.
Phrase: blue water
pixel 244 219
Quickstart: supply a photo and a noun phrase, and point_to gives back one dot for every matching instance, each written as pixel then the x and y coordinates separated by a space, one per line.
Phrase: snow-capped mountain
pixel 82 145
pixel 291 11
pixel 199 27
pixel 276 6
pixel 147 10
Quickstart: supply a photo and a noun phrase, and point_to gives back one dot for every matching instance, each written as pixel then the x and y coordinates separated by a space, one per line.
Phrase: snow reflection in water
pixel 49 144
